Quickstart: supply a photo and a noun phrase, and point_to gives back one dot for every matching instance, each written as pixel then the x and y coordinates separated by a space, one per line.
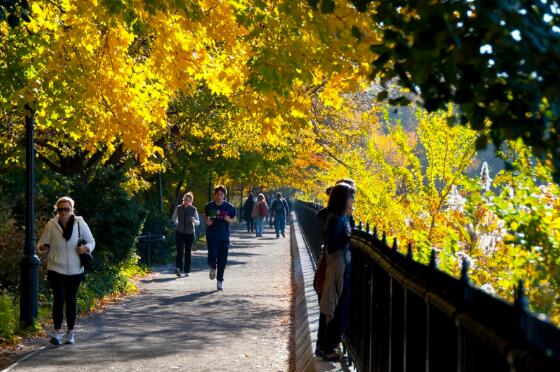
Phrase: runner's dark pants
pixel 184 244
pixel 65 289
pixel 250 224
pixel 217 255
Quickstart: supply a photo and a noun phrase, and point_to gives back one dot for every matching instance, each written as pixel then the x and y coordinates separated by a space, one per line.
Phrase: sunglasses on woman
pixel 65 209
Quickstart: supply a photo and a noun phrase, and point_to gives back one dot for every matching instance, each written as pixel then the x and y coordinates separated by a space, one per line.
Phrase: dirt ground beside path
pixel 186 324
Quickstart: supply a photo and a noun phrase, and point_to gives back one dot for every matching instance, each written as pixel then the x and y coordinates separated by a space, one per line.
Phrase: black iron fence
pixel 406 316
pixel 149 241
pixel 310 226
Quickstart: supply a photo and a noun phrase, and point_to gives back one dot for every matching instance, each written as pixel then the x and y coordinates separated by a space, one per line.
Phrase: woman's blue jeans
pixel 259 225
pixel 279 224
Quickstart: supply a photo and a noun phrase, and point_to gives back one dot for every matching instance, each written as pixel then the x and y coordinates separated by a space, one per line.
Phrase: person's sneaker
pixel 69 338
pixel 186 274
pixel 212 274
pixel 56 338
pixel 220 286
pixel 283 235
pixel 178 272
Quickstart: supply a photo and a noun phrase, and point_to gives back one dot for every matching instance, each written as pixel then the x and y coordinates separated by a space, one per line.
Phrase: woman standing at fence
pixel 65 237
pixel 336 289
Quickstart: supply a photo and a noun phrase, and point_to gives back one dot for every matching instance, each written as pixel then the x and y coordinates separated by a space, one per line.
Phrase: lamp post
pixel 29 264
pixel 160 192
pixel 240 199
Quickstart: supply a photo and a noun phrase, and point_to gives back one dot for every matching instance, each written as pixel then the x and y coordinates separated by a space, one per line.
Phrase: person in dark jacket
pixel 279 210
pixel 336 290
pixel 185 219
pixel 219 216
pixel 247 212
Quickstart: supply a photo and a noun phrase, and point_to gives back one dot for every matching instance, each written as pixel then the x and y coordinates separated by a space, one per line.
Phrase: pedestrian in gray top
pixel 185 219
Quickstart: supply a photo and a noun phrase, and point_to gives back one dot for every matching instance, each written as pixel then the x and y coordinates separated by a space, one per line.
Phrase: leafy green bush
pixel 8 317
pixel 11 250
pixel 108 282
pixel 114 217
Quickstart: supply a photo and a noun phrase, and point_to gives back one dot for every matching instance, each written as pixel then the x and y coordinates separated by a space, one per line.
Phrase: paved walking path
pixel 184 324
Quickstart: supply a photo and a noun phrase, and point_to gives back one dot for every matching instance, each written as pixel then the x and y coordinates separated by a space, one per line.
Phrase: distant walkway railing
pixel 406 316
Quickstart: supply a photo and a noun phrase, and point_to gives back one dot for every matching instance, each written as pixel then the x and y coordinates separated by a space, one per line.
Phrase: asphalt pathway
pixel 185 324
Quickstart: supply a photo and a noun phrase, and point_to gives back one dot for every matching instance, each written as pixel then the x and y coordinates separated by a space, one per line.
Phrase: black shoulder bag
pixel 86 259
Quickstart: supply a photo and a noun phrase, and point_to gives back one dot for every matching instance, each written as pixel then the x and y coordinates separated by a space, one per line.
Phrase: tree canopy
pixel 111 68
pixel 497 61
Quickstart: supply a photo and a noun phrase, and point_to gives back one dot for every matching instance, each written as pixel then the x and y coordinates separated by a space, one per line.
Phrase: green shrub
pixel 8 317
pixel 112 280
pixel 115 218
pixel 11 250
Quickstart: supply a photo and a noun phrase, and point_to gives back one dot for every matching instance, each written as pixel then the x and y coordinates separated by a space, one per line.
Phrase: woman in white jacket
pixel 64 270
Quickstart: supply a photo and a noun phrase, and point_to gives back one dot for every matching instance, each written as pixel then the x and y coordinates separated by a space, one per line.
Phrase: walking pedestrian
pixel 247 212
pixel 279 210
pixel 261 213
pixel 65 237
pixel 219 215
pixel 185 219
pixel 270 201
pixel 336 291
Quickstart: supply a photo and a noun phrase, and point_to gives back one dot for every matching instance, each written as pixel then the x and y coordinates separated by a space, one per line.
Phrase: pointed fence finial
pixel 521 300
pixel 409 254
pixel 395 246
pixel 465 271
pixel 375 236
pixel 384 237
pixel 360 226
pixel 433 258
pixel 367 227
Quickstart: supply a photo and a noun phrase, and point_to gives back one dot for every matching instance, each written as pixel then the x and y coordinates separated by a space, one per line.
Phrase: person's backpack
pixel 279 207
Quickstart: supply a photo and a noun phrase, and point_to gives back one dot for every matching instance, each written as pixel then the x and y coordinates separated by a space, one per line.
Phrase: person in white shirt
pixel 64 270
